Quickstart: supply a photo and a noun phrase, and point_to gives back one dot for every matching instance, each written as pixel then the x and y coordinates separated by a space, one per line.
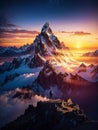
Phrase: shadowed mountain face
pixel 54 115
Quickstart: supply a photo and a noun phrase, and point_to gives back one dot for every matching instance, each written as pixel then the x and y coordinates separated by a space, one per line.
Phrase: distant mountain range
pixel 14 51
pixel 91 54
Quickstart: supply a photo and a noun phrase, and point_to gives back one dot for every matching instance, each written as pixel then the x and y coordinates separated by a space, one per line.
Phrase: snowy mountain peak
pixel 46 42
pixel 46 29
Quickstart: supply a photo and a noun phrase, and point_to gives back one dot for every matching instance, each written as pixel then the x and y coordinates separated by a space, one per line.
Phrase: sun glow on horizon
pixel 78 46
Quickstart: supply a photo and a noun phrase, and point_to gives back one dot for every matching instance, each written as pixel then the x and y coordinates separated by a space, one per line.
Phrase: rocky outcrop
pixel 37 61
pixel 54 115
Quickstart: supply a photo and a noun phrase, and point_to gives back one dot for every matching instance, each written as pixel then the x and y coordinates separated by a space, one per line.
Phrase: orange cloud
pixel 17 37
pixel 16 32
pixel 78 33
pixel 82 33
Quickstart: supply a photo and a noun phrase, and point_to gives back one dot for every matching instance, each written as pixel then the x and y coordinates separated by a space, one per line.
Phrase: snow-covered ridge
pixel 90 72
pixel 13 51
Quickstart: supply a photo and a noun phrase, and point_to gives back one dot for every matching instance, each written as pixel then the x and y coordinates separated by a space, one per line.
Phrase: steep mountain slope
pixel 46 41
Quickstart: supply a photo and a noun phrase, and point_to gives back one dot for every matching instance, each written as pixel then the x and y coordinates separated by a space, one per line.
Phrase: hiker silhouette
pixel 51 93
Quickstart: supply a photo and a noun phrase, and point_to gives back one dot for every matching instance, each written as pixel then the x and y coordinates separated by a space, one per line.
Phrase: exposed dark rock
pixel 54 115
pixel 36 61
pixel 23 93
pixel 16 62
pixel 7 66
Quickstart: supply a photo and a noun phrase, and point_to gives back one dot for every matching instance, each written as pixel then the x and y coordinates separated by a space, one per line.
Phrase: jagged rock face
pixel 46 29
pixel 32 61
pixel 7 66
pixel 53 114
pixel 47 76
pixel 36 61
pixel 46 42
pixel 16 62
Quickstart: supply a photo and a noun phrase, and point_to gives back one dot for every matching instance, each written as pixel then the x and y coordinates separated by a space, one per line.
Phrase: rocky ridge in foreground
pixel 54 115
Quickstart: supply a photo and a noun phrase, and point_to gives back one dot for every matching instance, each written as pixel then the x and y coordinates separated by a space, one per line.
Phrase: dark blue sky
pixel 33 13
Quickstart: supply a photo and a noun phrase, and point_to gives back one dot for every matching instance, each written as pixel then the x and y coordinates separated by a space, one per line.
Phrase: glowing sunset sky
pixel 73 21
